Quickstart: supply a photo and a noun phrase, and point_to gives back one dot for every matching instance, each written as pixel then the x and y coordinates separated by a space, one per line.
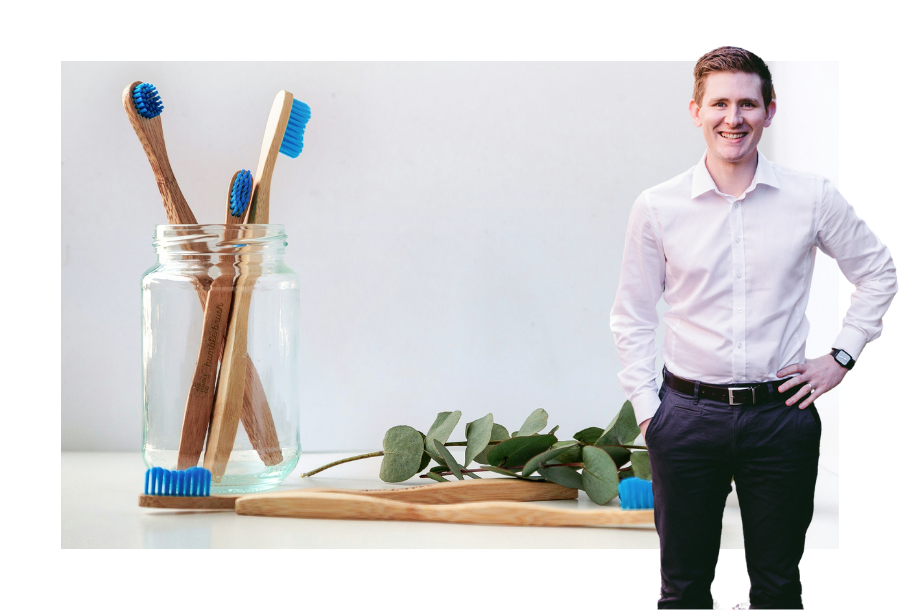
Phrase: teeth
pixel 733 136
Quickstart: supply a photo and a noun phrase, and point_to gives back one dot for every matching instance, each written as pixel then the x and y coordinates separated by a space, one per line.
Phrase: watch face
pixel 842 357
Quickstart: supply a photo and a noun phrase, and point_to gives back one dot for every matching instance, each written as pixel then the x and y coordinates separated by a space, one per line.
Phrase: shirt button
pixel 740 378
pixel 739 276
pixel 739 344
pixel 735 205
pixel 740 309
pixel 737 240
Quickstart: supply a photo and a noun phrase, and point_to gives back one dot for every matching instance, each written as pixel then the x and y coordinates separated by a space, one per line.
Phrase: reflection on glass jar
pixel 221 387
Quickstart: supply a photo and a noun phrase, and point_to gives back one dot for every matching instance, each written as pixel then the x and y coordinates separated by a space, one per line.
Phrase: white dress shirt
pixel 736 273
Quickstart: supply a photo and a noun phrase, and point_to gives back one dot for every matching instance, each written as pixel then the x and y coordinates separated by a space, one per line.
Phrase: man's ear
pixel 770 112
pixel 694 109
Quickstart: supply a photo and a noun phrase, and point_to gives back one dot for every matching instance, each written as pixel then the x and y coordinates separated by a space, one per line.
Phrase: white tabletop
pixel 100 510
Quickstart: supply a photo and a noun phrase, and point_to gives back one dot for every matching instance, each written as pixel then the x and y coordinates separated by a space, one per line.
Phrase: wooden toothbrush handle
pixel 202 392
pixel 216 502
pixel 475 490
pixel 256 416
pixel 312 505
pixel 232 375
pixel 279 116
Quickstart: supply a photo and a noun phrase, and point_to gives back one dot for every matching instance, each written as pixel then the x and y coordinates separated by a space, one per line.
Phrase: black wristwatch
pixel 843 358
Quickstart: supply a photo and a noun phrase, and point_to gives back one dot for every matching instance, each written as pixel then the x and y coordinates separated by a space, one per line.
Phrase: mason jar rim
pixel 216 238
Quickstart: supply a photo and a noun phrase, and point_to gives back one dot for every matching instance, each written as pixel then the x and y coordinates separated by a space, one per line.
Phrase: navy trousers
pixel 695 447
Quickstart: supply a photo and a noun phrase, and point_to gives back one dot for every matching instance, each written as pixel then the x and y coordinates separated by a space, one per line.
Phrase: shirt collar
pixel 703 182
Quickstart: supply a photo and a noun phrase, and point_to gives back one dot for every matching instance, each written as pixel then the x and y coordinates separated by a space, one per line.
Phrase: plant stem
pixel 454 444
pixel 462 470
pixel 344 461
pixel 374 454
pixel 513 468
pixel 571 465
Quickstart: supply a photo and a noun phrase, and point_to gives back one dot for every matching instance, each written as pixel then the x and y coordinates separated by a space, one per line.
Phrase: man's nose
pixel 734 117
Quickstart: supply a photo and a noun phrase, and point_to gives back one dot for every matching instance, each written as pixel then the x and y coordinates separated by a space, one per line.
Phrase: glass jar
pixel 199 410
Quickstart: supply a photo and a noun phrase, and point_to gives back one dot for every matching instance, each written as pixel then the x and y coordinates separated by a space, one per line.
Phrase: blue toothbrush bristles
pixel 194 481
pixel 146 100
pixel 240 192
pixel 635 493
pixel 292 143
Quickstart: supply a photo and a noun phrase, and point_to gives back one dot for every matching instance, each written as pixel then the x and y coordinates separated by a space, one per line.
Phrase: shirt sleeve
pixel 864 261
pixel 633 319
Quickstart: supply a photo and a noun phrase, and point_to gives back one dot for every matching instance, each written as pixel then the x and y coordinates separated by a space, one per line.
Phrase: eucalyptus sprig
pixel 594 461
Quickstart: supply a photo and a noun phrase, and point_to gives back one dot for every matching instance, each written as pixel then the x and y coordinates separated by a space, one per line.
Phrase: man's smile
pixel 733 136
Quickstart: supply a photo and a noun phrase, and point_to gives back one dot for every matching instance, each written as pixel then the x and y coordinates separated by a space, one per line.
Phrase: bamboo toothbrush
pixel 256 416
pixel 284 133
pixel 143 108
pixel 215 322
pixel 311 505
pixel 158 495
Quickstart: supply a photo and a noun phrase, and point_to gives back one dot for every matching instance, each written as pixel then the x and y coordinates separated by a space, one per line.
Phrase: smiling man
pixel 730 245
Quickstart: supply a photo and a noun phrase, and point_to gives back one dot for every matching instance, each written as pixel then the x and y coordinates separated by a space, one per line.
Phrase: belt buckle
pixel 731 394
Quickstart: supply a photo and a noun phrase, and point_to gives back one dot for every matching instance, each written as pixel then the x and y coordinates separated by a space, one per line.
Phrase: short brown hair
pixel 732 59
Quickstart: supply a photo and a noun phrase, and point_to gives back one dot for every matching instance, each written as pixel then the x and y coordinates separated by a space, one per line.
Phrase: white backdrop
pixel 457 228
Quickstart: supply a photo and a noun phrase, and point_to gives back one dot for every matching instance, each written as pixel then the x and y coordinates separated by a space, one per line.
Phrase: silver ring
pixel 811 389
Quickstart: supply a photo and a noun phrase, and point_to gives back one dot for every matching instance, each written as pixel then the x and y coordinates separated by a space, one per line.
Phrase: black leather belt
pixel 738 394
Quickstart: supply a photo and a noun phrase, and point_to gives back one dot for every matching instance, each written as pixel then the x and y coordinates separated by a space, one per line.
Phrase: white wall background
pixel 457 227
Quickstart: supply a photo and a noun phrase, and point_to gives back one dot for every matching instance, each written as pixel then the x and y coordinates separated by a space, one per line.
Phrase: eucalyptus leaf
pixel 472 474
pixel 425 457
pixel 571 455
pixel 536 422
pixel 563 475
pixel 589 436
pixel 439 468
pixel 478 435
pixel 514 434
pixel 553 431
pixel 510 473
pixel 600 475
pixel 402 454
pixel 498 433
pixel 437 477
pixel 448 457
pixel 640 463
pixel 440 430
pixel 534 463
pixel 622 429
pixel 516 451
pixel 619 455
pixel 625 474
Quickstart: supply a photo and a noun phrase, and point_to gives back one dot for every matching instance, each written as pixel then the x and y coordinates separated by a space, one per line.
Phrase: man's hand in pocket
pixel 643 426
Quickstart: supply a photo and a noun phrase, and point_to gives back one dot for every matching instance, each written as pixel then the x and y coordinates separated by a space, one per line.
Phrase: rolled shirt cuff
pixel 645 405
pixel 850 339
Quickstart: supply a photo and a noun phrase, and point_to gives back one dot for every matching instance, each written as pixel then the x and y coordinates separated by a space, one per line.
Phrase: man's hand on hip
pixel 819 376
